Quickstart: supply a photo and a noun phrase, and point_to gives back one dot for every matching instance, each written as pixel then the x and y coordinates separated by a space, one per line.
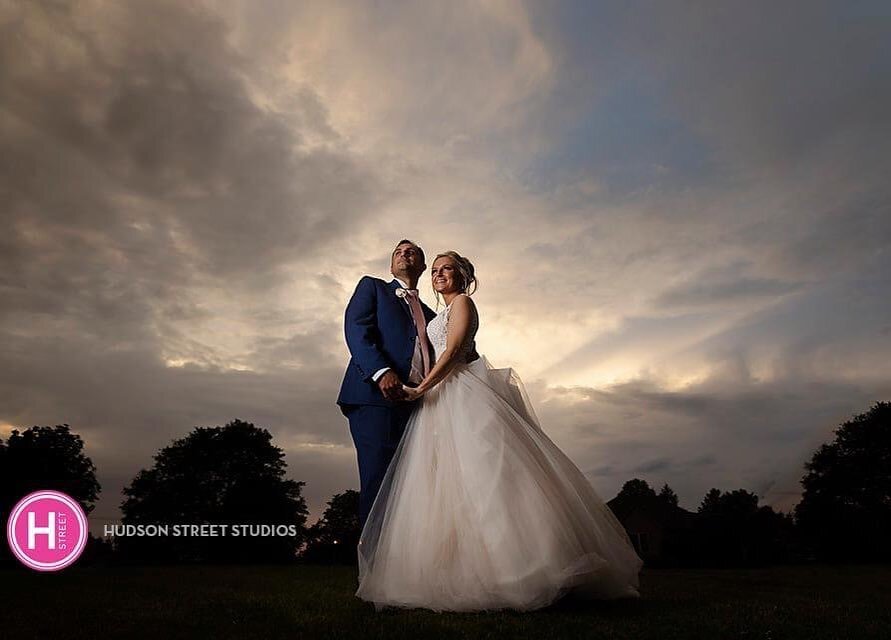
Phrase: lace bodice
pixel 437 333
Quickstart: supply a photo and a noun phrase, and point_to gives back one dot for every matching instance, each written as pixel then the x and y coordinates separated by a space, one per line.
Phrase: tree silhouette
pixel 711 503
pixel 731 529
pixel 45 458
pixel 635 491
pixel 845 509
pixel 668 496
pixel 737 504
pixel 223 475
pixel 335 536
pixel 723 528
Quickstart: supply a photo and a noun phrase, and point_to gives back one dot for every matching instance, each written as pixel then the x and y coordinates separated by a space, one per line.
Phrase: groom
pixel 385 327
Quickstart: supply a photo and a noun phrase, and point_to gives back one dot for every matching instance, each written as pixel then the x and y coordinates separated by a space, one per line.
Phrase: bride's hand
pixel 411 393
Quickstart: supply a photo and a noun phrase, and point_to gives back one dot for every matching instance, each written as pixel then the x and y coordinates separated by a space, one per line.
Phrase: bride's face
pixel 445 276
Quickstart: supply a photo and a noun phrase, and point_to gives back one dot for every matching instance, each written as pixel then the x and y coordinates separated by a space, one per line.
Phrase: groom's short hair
pixel 407 241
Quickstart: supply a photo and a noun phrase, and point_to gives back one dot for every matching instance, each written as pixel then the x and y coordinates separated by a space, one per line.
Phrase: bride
pixel 479 509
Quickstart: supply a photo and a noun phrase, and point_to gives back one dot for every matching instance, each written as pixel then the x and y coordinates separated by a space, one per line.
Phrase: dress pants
pixel 376 433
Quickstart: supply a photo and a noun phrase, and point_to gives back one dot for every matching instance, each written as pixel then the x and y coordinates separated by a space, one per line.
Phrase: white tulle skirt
pixel 480 510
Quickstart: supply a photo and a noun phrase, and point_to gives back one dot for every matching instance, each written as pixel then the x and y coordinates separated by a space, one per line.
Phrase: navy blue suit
pixel 380 332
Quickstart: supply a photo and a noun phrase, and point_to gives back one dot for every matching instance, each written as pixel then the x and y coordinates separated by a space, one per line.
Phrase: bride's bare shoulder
pixel 463 301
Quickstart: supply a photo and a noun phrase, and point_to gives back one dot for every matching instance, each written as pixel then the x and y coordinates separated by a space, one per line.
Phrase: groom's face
pixel 407 260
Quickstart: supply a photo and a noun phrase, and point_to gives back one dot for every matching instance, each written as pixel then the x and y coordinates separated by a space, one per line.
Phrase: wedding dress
pixel 480 510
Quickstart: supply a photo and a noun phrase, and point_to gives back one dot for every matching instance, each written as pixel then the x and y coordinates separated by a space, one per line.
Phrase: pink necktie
pixel 421 326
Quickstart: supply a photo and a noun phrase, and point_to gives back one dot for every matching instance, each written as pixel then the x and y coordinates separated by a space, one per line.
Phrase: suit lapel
pixel 394 284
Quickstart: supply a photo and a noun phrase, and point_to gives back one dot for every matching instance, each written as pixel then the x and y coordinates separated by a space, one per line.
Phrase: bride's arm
pixel 460 316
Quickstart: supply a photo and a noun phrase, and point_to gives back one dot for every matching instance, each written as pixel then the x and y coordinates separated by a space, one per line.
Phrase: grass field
pixel 808 602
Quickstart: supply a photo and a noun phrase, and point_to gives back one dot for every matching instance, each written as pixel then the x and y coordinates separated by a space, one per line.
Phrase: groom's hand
pixel 391 386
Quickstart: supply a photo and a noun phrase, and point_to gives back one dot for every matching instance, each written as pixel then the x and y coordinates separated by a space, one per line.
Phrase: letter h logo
pixel 49 530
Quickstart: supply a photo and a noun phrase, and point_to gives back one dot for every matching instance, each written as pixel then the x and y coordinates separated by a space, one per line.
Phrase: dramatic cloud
pixel 679 215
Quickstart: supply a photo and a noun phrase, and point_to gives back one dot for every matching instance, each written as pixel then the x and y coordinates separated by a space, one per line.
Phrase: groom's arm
pixel 361 332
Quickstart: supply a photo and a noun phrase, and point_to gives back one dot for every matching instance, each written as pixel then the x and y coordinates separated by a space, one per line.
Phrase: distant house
pixel 662 533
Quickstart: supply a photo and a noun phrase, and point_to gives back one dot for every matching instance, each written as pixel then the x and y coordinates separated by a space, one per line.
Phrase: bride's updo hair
pixel 467 282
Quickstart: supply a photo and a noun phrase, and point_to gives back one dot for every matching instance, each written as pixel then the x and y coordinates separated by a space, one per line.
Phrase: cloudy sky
pixel 679 213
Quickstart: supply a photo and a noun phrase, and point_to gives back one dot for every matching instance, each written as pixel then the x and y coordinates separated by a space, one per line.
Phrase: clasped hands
pixel 393 389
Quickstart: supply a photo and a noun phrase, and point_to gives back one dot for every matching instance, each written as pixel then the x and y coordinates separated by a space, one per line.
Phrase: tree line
pixel 235 474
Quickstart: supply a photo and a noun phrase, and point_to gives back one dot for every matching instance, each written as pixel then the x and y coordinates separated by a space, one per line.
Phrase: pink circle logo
pixel 47 530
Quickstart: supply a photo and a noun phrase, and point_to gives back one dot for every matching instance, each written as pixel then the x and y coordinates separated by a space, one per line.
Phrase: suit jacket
pixel 380 332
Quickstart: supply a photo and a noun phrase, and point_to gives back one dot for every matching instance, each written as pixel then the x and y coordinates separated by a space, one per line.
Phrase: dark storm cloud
pixel 650 466
pixel 139 171
pixel 136 167
pixel 769 82
pixel 777 83
pixel 144 115
pixel 725 432
pixel 786 107
pixel 126 404
pixel 774 385
pixel 722 286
